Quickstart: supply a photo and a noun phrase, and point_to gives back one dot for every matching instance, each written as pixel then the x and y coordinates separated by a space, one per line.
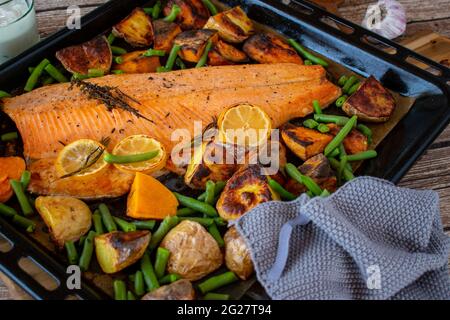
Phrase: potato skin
pixel 233 25
pixel 135 62
pixel 67 218
pixel 193 43
pixel 165 34
pixel 269 48
pixel 237 254
pixel 193 13
pixel 179 290
pixel 136 29
pixel 193 251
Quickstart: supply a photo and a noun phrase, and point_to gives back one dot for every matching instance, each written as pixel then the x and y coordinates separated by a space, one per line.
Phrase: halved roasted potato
pixel 233 25
pixel 165 34
pixel 67 218
pixel 193 43
pixel 135 62
pixel 270 48
pixel 371 102
pixel 179 290
pixel 193 13
pixel 237 254
pixel 117 250
pixel 194 253
pixel 354 142
pixel 136 29
pixel 304 142
pixel 93 54
pixel 247 188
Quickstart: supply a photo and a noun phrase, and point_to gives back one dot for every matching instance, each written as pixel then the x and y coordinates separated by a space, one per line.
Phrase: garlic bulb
pixel 386 18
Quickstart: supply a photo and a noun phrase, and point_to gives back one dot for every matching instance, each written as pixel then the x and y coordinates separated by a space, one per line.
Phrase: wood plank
pixel 51 5
pixel 52 21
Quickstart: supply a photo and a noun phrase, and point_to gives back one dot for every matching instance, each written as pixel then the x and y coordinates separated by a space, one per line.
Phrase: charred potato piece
pixel 225 54
pixel 371 102
pixel 193 251
pixel 247 188
pixel 67 218
pixel 193 43
pixel 93 54
pixel 237 255
pixel 165 34
pixel 135 62
pixel 215 59
pixel 179 290
pixel 354 142
pixel 136 29
pixel 304 142
pixel 193 13
pixel 233 25
pixel 117 250
pixel 269 48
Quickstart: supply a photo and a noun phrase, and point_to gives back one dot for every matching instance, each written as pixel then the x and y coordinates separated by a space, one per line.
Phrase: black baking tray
pixel 335 38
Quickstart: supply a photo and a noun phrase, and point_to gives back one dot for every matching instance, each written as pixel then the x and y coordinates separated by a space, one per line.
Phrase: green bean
pixel 334 154
pixel 340 102
pixel 148 11
pixel 79 76
pixel 9 136
pixel 220 185
pixel 325 193
pixel 125 226
pixel 180 63
pixel 23 222
pixel 174 12
pixel 156 10
pixel 316 106
pixel 117 72
pixel 310 194
pixel 354 88
pixel 120 290
pixel 107 218
pixel 216 296
pixel 55 73
pixel 139 288
pixel 211 7
pixel 162 257
pixel 4 94
pixel 21 197
pixel 169 278
pixel 281 191
pixel 144 225
pixel 7 211
pixel 309 183
pixel 88 249
pixel 323 128
pixel 149 274
pixel 130 295
pixel 131 158
pixel 118 60
pixel 365 131
pixel 33 79
pixel 306 54
pixel 328 118
pixel 341 135
pixel 153 52
pixel 72 254
pixel 310 123
pixel 217 281
pixel 82 240
pixel 196 205
pixel 171 60
pixel 365 155
pixel 204 57
pixel 184 212
pixel 25 179
pixel 308 62
pixel 342 80
pixel 210 186
pixel 47 80
pixel 349 83
pixel 111 37
pixel 220 222
pixel 214 231
pixel 95 73
pixel 98 224
pixel 118 51
pixel 203 221
pixel 165 226
pixel 347 174
pixel 342 166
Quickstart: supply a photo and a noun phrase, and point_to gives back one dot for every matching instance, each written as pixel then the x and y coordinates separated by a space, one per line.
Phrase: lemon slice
pixel 139 144
pixel 244 125
pixel 80 158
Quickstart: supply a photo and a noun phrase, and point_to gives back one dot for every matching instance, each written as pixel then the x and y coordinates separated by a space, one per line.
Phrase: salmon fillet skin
pixel 52 116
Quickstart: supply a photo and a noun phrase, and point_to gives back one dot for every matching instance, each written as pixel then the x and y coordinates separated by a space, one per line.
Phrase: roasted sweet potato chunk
pixel 371 102
pixel 135 62
pixel 179 290
pixel 225 54
pixel 193 13
pixel 165 34
pixel 136 29
pixel 93 54
pixel 193 43
pixel 233 25
pixel 354 142
pixel 304 142
pixel 269 48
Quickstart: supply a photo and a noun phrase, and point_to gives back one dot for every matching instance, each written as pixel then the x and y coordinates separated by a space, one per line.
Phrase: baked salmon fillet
pixel 52 116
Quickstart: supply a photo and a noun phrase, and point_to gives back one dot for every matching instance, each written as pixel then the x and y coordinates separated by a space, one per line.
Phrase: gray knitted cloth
pixel 369 240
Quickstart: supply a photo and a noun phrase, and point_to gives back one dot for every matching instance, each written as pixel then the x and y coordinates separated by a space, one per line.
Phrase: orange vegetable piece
pixel 6 191
pixel 13 167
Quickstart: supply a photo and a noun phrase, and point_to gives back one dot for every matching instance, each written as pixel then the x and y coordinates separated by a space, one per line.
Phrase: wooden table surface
pixel 432 170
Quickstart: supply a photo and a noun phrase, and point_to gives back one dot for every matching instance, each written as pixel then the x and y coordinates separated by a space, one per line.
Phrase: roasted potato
pixel 371 102
pixel 237 255
pixel 67 218
pixel 225 54
pixel 136 29
pixel 270 48
pixel 247 188
pixel 304 142
pixel 135 62
pixel 93 54
pixel 117 250
pixel 165 34
pixel 179 290
pixel 194 253
pixel 233 25
pixel 193 13
pixel 193 43
pixel 354 142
